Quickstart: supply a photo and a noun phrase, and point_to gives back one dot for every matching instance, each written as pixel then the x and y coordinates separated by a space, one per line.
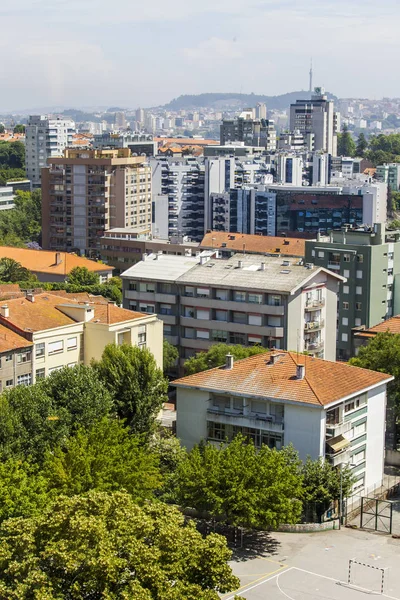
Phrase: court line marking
pixel 317 575
pixel 253 584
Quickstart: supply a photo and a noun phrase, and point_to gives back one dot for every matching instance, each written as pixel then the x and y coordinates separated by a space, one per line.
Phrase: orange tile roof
pixel 260 244
pixel 9 340
pixel 186 141
pixel 324 381
pixel 392 325
pixel 79 296
pixel 44 261
pixel 46 313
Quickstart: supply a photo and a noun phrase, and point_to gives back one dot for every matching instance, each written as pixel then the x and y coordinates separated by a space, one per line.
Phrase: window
pixel 255 298
pixel 345 321
pixel 188 311
pixel 221 315
pixel 312 252
pixel 9 357
pixel 357 322
pixel 346 273
pixel 333 416
pixel 345 337
pixel 274 300
pixel 254 340
pixel 40 373
pixel 167 329
pixel 216 431
pixel 345 289
pixel 359 429
pixel 147 287
pixel 147 308
pixel 349 406
pixel 219 336
pixel 359 274
pixel 9 382
pixel 189 291
pixel 255 320
pixel 55 369
pixel 360 258
pixel 390 255
pixel 40 350
pixel 259 408
pixel 239 296
pixel 221 294
pixel 346 257
pixel 132 286
pixel 239 317
pixel 358 305
pixel 165 309
pixel 237 338
pixel 359 456
pixel 25 379
pixel 359 290
pixel 274 321
pixel 55 347
pixel 203 314
pixel 345 306
pixel 321 254
pixel 72 343
pixel 203 292
pixel 23 357
pixel 203 334
pixel 334 258
pixel 142 336
pixel 189 333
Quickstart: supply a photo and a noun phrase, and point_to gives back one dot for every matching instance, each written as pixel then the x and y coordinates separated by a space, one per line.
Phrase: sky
pixel 130 53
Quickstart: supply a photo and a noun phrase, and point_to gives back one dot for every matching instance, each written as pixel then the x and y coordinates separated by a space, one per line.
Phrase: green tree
pixel 321 483
pixel 2 128
pixel 19 128
pixel 170 356
pixel 24 221
pixel 362 145
pixel 23 491
pixel 11 175
pixel 137 385
pixel 345 145
pixel 241 484
pixel 395 224
pixel 36 418
pixel 105 546
pixel 216 356
pixel 12 271
pixel 81 276
pixel 106 458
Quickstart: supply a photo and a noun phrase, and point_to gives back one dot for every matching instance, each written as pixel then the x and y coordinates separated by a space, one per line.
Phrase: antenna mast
pixel 311 78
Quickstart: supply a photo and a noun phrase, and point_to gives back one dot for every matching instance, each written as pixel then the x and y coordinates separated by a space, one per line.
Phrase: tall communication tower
pixel 311 78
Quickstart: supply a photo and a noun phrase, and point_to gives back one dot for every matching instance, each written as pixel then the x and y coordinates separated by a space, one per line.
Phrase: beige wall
pixel 61 358
pixel 10 369
pixel 99 335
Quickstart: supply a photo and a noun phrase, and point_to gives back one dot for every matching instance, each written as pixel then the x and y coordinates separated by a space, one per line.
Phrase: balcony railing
pixel 314 325
pixel 315 304
pixel 314 346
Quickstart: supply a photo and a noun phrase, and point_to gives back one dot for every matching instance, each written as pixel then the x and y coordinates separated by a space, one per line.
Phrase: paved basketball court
pixel 315 567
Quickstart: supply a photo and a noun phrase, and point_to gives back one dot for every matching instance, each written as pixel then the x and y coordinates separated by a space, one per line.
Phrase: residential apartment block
pixel 87 192
pixel 325 409
pixel 51 332
pixel 369 259
pixel 45 138
pixel 138 143
pixel 317 117
pixel 390 175
pixel 253 132
pixel 246 299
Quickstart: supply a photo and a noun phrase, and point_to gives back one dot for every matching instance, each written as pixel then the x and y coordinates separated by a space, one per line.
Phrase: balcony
pixel 314 325
pixel 335 429
pixel 315 304
pixel 237 417
pixel 314 346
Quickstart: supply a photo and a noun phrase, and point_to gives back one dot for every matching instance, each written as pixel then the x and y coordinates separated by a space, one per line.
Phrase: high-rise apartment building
pixel 45 138
pixel 389 174
pixel 370 261
pixel 253 132
pixel 261 110
pixel 138 143
pixel 316 116
pixel 87 192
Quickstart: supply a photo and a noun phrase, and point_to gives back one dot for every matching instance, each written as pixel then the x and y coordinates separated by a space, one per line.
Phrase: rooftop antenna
pixel 311 77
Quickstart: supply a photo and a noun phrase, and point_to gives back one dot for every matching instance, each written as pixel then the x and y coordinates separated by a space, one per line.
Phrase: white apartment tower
pixel 45 138
pixel 316 116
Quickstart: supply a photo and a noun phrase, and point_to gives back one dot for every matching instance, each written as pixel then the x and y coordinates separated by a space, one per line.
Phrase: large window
pixel 221 315
pixel 203 334
pixel 25 379
pixel 72 343
pixel 239 317
pixel 255 320
pixel 274 300
pixel 142 336
pixel 23 357
pixel 219 336
pixel 221 294
pixel 40 373
pixel 239 296
pixel 55 347
pixel 255 298
pixel 203 314
pixel 40 350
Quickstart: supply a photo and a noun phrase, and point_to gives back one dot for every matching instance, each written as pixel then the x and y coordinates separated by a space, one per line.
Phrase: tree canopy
pixel 23 223
pixel 81 276
pixel 19 128
pixel 103 545
pixel 216 356
pixel 12 155
pixel 170 356
pixel 240 484
pixel 361 146
pixel 345 144
pixel 11 271
pixel 137 385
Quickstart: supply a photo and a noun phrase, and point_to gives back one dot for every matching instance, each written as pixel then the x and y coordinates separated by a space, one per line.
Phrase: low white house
pixel 325 409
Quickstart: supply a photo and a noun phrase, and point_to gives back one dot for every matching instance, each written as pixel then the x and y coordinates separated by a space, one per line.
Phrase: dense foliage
pixel 216 356
pixel 103 545
pixel 81 276
pixel 170 356
pixel 23 223
pixel 345 143
pixel 11 175
pixel 12 155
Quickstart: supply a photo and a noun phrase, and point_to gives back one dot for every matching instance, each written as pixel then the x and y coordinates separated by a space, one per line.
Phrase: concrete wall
pixel 375 454
pixel 59 359
pixel 191 416
pixel 392 457
pixel 303 427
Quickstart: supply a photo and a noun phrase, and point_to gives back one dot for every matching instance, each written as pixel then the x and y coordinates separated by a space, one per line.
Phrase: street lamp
pixel 351 465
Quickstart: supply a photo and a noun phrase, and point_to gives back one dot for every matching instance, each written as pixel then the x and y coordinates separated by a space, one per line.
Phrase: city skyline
pixel 89 53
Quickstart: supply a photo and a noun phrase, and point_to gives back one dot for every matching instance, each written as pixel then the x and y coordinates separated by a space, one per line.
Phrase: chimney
pixel 262 266
pixel 240 264
pixel 203 260
pixel 5 311
pixel 273 358
pixel 30 296
pixel 58 258
pixel 300 371
pixel 229 361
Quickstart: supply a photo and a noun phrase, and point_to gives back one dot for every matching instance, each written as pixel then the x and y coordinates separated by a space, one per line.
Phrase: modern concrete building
pixel 54 266
pixel 369 259
pixel 61 331
pixel 253 132
pixel 140 144
pixel 316 116
pixel 325 409
pixel 87 192
pixel 389 173
pixel 246 299
pixel 45 138
pixel 6 198
pixel 289 169
pixel 15 359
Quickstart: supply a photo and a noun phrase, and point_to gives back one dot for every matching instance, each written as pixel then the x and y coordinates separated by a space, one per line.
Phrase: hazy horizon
pixel 74 53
